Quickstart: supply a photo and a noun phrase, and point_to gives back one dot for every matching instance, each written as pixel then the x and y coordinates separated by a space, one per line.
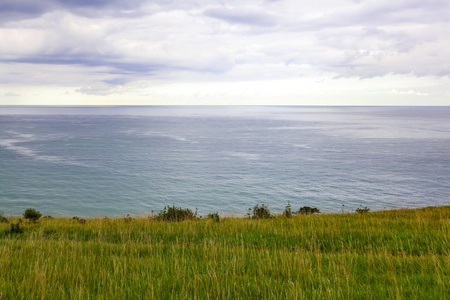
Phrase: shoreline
pixel 224 216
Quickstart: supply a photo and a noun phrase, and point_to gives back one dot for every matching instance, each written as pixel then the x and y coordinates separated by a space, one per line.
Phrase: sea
pixel 117 160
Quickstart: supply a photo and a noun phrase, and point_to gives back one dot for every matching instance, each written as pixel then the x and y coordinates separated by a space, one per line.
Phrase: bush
pixel 261 212
pixel 128 218
pixel 362 210
pixel 16 228
pixel 306 210
pixel 32 215
pixel 288 210
pixel 177 214
pixel 215 217
pixel 3 219
pixel 79 220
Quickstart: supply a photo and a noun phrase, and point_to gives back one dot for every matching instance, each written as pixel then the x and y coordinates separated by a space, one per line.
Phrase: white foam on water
pixel 11 144
pixel 244 155
pixel 304 146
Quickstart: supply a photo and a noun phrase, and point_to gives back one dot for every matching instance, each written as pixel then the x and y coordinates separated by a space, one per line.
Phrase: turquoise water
pixel 111 161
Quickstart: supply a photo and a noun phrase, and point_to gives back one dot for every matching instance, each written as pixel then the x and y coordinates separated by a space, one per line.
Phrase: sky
pixel 198 52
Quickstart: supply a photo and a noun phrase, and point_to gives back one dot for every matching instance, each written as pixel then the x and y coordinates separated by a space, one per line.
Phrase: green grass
pixel 400 254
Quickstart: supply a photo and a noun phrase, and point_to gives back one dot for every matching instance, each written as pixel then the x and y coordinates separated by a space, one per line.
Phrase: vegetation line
pixel 398 254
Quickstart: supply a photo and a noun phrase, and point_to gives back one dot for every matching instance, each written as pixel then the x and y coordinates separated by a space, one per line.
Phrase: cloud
pixel 104 47
pixel 405 92
pixel 242 15
pixel 13 10
pixel 374 13
pixel 133 46
pixel 101 89
pixel 22 9
pixel 11 95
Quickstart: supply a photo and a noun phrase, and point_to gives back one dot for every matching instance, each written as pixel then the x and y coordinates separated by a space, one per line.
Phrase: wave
pixel 11 144
pixel 304 146
pixel 244 155
pixel 156 134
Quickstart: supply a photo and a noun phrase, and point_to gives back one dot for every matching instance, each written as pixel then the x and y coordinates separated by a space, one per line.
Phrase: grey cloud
pixel 379 38
pixel 15 10
pixel 362 38
pixel 96 8
pixel 116 81
pixel 368 39
pixel 92 60
pixel 390 13
pixel 22 9
pixel 11 10
pixel 242 16
pixel 375 14
pixel 124 65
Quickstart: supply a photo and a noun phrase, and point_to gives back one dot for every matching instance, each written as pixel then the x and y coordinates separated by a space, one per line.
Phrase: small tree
pixel 79 220
pixel 362 210
pixel 32 215
pixel 261 212
pixel 16 228
pixel 306 210
pixel 177 214
pixel 288 210
pixel 214 216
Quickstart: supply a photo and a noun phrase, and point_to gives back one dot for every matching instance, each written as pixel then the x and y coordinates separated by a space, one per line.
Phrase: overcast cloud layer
pixel 225 52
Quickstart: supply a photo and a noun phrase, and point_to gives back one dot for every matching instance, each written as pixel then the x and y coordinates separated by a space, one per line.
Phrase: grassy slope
pixel 381 255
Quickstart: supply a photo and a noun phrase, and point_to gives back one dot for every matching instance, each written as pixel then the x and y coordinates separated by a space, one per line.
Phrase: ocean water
pixel 113 161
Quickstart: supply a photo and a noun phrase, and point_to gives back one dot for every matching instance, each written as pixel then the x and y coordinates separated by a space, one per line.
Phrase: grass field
pixel 399 254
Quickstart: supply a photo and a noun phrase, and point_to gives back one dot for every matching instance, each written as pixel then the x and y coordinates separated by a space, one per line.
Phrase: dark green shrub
pixel 32 215
pixel 306 210
pixel 2 218
pixel 362 210
pixel 177 214
pixel 16 228
pixel 288 210
pixel 79 220
pixel 215 217
pixel 128 219
pixel 261 212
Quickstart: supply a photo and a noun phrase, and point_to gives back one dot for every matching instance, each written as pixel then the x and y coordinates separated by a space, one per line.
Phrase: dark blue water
pixel 113 161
